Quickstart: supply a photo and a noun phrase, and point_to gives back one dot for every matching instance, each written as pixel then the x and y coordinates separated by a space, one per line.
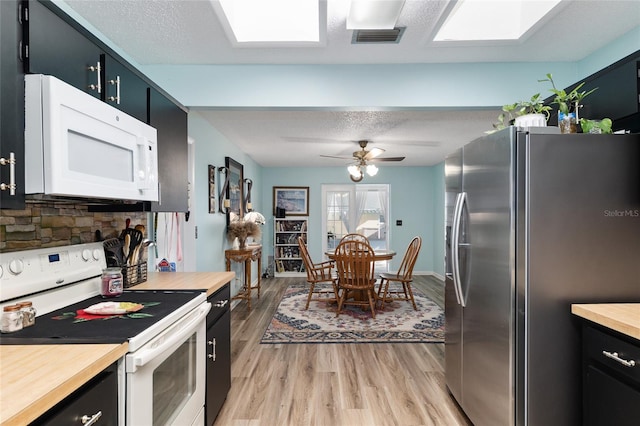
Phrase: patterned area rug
pixel 398 323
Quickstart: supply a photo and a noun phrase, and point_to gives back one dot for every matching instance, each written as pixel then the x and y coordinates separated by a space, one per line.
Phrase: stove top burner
pixel 71 325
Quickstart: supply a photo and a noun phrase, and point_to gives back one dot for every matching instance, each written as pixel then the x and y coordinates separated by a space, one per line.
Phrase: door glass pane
pixel 174 381
pixel 337 216
pixel 362 209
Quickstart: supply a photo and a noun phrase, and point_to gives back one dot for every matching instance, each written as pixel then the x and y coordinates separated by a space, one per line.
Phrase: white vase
pixel 235 245
pixel 531 120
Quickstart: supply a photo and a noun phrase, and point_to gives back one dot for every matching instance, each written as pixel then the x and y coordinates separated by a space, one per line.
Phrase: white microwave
pixel 79 146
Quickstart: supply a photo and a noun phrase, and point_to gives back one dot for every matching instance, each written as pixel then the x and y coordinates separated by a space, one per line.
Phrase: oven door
pixel 165 379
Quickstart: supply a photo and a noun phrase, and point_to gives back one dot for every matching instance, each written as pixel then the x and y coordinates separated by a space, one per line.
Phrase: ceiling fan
pixel 362 157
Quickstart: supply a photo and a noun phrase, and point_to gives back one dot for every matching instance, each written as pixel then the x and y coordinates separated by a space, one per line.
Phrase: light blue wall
pixel 211 148
pixel 417 196
pixel 414 200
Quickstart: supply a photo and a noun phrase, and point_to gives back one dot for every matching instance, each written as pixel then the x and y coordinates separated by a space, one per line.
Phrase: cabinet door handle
pixel 614 356
pixel 11 186
pixel 97 68
pixel 115 98
pixel 89 420
pixel 221 303
pixel 212 355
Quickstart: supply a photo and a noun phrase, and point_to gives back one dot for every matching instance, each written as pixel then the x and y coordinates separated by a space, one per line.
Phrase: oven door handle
pixel 173 336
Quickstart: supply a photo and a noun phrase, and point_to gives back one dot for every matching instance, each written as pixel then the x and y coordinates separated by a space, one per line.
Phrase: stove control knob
pixel 96 254
pixel 86 255
pixel 16 266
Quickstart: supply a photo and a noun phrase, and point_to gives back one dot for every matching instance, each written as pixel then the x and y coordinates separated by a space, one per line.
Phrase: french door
pixel 361 208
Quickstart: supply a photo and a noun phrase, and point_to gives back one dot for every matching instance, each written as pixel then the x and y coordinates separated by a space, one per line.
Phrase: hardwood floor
pixel 333 384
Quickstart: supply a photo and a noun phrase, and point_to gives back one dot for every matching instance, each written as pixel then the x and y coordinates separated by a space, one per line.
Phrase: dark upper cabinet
pixel 617 91
pixel 617 95
pixel 56 48
pixel 123 88
pixel 11 104
pixel 171 123
pixel 38 38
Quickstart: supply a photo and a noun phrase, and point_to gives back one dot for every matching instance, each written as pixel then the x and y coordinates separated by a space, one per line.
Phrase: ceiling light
pixel 493 19
pixel 373 14
pixel 356 171
pixel 273 20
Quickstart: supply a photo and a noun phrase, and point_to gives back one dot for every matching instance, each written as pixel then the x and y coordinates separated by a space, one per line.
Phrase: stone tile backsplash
pixel 51 224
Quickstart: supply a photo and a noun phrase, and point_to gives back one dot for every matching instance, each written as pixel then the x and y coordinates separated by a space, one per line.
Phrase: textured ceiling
pixel 163 32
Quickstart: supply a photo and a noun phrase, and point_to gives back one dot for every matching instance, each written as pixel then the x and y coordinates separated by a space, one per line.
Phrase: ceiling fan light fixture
pixel 354 170
pixel 372 170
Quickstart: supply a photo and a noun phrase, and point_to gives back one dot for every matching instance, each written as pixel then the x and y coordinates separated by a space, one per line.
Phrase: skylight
pixel 273 20
pixel 493 19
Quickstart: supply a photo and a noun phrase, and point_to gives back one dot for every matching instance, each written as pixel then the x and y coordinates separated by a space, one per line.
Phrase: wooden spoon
pixel 125 248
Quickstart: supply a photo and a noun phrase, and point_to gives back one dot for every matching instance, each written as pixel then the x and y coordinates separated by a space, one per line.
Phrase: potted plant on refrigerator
pixel 568 104
pixel 524 114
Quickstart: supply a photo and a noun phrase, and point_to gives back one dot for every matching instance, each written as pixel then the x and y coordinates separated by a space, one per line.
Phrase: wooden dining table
pixel 378 255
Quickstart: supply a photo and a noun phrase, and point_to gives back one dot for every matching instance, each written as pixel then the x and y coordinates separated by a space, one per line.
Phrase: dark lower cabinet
pixel 218 353
pixel 97 399
pixel 611 378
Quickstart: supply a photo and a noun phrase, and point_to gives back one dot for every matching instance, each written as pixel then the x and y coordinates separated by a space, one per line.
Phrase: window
pixel 361 208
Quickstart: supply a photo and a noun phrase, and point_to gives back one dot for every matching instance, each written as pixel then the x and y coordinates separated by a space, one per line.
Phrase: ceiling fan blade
pixel 388 159
pixel 333 156
pixel 373 153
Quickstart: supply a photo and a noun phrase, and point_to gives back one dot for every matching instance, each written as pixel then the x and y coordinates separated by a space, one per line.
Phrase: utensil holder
pixel 134 274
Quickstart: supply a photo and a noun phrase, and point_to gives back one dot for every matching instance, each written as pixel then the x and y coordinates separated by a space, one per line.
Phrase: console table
pixel 246 256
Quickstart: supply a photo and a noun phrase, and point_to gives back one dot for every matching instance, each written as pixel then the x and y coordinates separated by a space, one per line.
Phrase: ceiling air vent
pixel 377 36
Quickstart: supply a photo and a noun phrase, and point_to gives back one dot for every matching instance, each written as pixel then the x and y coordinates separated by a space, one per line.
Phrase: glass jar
pixel 112 282
pixel 11 319
pixel 28 313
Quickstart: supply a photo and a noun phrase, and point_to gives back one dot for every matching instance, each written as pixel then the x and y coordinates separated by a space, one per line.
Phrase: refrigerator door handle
pixel 455 244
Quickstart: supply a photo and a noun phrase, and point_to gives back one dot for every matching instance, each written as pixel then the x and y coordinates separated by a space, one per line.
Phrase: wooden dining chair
pixel 356 277
pixel 318 273
pixel 403 276
pixel 355 236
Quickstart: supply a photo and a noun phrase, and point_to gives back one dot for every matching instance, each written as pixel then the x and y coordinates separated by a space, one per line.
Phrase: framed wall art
pixel 212 189
pixel 293 199
pixel 235 189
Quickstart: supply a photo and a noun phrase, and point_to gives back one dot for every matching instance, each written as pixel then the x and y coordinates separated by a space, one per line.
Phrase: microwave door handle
pixel 143 167
pixel 143 356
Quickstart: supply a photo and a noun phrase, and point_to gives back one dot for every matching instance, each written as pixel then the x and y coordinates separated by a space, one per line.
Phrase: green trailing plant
pixel 567 101
pixel 596 126
pixel 510 112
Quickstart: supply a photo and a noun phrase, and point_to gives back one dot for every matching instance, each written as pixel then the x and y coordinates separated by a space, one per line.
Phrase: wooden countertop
pixel 37 377
pixel 32 381
pixel 621 317
pixel 209 281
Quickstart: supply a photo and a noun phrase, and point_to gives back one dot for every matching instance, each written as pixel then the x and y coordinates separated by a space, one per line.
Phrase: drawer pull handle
pixel 614 356
pixel 89 420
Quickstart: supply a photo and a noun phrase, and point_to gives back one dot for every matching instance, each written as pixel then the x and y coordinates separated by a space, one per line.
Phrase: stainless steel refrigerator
pixel 535 221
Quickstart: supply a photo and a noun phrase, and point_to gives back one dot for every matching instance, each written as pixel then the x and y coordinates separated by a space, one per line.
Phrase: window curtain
pixel 361 200
pixel 383 196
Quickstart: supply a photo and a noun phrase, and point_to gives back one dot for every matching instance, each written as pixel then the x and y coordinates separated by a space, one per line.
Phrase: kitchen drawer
pixel 219 304
pixel 597 343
